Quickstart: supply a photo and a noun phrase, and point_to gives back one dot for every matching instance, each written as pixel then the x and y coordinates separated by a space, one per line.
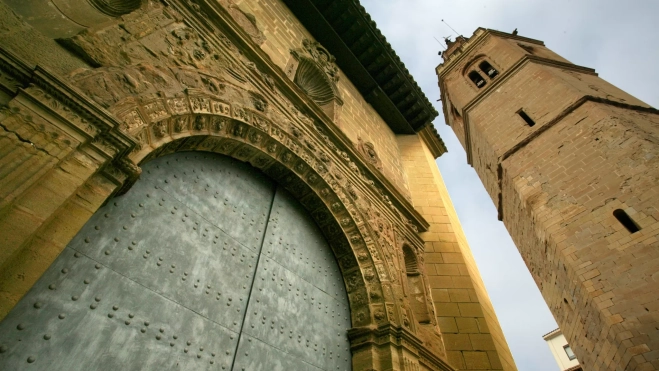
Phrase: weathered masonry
pixel 571 163
pixel 213 184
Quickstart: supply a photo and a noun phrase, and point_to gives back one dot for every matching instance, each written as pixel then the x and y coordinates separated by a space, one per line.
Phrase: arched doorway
pixel 205 263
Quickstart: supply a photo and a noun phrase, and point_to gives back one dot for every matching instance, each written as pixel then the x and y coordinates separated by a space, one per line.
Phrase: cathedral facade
pixel 218 184
pixel 570 161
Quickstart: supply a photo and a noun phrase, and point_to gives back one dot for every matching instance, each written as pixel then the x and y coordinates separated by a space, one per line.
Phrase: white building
pixel 561 350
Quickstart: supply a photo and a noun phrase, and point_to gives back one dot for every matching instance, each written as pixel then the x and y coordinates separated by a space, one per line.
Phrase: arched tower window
pixel 415 286
pixel 490 71
pixel 477 79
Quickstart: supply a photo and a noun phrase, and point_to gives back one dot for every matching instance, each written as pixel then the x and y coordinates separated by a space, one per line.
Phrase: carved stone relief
pixel 321 57
pixel 367 149
pixel 313 69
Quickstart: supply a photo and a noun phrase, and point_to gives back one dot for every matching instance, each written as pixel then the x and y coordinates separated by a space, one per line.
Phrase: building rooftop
pixel 551 334
pixel 347 31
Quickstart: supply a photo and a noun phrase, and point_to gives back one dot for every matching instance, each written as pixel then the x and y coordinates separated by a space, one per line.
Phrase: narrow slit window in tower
pixel 477 79
pixel 488 69
pixel 526 117
pixel 626 220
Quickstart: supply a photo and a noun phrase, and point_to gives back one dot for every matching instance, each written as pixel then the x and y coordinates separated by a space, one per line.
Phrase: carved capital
pixel 390 347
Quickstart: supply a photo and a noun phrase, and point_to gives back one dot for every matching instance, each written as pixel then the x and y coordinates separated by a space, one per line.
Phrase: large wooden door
pixel 204 264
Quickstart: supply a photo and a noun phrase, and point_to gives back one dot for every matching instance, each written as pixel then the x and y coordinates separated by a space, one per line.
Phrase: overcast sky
pixel 620 39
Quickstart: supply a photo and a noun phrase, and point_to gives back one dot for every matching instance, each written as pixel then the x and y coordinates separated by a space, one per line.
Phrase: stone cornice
pixel 211 14
pixel 431 137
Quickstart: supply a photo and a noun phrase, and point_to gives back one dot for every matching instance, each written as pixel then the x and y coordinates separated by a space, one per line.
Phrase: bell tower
pixel 572 164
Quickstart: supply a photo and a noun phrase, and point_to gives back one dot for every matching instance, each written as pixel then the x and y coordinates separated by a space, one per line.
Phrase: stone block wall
pixel 58 168
pixel 472 335
pixel 599 280
pixel 590 149
pixel 50 187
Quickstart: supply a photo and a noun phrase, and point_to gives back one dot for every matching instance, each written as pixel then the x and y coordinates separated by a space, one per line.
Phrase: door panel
pixel 171 276
pixel 298 304
pixel 112 323
pixel 227 193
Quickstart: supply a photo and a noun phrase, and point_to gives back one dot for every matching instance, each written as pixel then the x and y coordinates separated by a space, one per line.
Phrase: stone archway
pixel 203 263
pixel 223 117
pixel 303 159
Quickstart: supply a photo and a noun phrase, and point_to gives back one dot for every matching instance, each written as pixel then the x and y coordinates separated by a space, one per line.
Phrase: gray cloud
pixel 617 38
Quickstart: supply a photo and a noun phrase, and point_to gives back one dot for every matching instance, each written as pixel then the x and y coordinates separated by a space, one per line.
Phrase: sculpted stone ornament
pixel 367 149
pixel 200 122
pixel 323 58
pixel 259 102
pixel 180 124
pixel 160 129
pixel 314 71
pixel 218 123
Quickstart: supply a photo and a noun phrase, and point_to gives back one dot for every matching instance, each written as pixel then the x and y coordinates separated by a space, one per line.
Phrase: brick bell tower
pixel 572 164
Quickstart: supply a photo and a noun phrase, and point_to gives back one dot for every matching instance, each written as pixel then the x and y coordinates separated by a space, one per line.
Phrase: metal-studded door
pixel 204 264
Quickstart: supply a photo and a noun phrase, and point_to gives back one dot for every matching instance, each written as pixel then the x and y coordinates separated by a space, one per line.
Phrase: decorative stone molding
pixel 148 77
pixel 75 115
pixel 370 345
